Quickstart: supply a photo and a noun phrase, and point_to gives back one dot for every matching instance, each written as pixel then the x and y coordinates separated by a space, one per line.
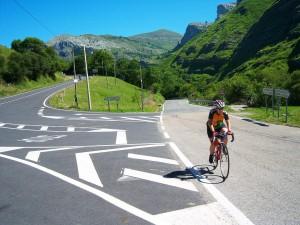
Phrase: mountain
pixel 224 8
pixel 144 46
pixel 256 44
pixel 192 30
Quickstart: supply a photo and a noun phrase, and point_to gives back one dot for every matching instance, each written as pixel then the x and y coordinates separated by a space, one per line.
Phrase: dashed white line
pixel 71 129
pixel 121 138
pixel 44 128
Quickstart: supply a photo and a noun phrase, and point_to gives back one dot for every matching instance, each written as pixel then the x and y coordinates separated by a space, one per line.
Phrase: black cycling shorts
pixel 209 132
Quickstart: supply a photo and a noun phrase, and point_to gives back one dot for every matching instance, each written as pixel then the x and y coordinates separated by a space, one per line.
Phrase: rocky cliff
pixel 222 9
pixel 192 30
pixel 144 46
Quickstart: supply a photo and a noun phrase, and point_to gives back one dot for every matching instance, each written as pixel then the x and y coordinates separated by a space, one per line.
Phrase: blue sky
pixel 45 19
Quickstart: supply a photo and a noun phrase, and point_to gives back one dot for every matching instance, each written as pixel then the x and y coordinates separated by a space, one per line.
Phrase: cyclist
pixel 215 123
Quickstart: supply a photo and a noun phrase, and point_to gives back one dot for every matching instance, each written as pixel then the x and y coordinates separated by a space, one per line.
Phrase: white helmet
pixel 219 104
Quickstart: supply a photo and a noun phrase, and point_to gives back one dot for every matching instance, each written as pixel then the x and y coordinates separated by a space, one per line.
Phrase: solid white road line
pixel 151 158
pixel 160 179
pixel 109 198
pixel 21 126
pixel 86 169
pixel 231 209
pixel 2 124
pixel 34 155
pixel 121 138
pixel 127 148
pixel 198 215
pixel 7 149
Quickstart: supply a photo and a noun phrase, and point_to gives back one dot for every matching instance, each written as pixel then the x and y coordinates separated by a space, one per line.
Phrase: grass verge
pixel 261 114
pixel 13 89
pixel 101 87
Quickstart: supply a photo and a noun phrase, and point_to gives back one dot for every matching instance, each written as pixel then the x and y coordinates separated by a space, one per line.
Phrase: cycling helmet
pixel 219 104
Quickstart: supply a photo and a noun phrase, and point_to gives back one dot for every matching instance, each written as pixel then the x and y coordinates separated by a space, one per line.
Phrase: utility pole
pixel 141 76
pixel 75 80
pixel 87 80
pixel 115 73
pixel 142 91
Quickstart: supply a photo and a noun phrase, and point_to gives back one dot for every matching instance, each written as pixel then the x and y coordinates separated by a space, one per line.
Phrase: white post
pixel 87 80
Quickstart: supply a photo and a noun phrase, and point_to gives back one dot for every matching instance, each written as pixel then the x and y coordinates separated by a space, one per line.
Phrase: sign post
pixel 269 91
pixel 282 93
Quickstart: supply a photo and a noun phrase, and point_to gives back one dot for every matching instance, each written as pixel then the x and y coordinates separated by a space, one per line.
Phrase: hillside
pixel 256 43
pixel 144 46
pixel 130 96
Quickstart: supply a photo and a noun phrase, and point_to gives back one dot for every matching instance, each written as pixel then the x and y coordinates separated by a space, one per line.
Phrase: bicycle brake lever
pixel 232 139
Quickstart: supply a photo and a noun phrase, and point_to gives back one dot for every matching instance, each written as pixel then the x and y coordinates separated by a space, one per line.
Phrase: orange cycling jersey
pixel 217 119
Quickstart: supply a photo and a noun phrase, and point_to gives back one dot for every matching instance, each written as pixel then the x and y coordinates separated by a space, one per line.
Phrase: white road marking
pixel 166 135
pixel 2 124
pixel 151 158
pixel 71 129
pixel 160 179
pixel 86 169
pixel 44 128
pixel 21 126
pixel 136 119
pixel 109 198
pixel 7 149
pixel 54 117
pixel 121 138
pixel 198 215
pixel 232 210
pixel 105 118
pixel 34 155
pixel 42 138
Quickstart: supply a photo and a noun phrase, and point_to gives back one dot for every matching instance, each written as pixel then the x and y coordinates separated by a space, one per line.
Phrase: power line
pixel 33 17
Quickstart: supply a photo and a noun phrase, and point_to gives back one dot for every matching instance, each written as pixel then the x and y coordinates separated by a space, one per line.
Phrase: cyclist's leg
pixel 225 130
pixel 210 137
pixel 211 147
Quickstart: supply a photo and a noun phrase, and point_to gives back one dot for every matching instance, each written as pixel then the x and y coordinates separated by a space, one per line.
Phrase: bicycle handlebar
pixel 222 135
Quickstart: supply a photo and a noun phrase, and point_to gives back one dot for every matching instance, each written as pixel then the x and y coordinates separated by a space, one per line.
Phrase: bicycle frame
pixel 221 153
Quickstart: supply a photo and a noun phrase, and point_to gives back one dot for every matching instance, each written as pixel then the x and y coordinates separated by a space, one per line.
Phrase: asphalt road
pixel 264 180
pixel 66 167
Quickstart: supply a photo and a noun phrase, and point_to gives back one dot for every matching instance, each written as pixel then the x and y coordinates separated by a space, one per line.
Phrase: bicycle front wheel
pixel 224 161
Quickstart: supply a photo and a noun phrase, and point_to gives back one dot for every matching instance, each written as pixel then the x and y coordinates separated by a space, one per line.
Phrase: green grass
pixel 101 87
pixel 260 114
pixel 12 89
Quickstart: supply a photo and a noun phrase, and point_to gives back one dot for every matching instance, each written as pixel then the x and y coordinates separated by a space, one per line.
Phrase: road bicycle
pixel 221 154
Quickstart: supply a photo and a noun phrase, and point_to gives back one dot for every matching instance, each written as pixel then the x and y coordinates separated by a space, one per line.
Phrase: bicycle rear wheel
pixel 224 161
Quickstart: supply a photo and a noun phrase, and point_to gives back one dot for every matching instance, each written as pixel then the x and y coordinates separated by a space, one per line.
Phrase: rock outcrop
pixel 222 9
pixel 191 31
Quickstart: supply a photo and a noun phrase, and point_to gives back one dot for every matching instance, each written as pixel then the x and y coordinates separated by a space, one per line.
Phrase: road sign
pixel 112 98
pixel 282 93
pixel 268 91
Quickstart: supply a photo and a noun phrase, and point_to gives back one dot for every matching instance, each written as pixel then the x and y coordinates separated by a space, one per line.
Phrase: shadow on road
pixel 256 122
pixel 202 173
